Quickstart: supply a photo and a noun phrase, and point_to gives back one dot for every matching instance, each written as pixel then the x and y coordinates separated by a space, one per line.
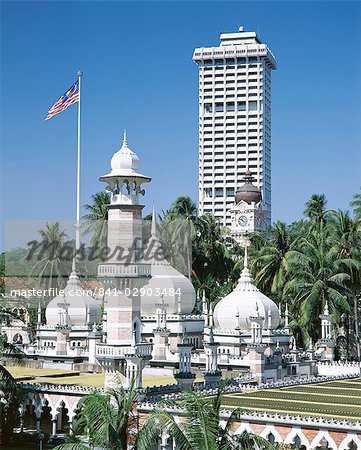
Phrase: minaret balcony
pixel 143 349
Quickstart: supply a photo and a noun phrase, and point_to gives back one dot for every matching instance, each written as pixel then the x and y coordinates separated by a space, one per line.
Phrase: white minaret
pixel 326 323
pixel 124 272
pixel 212 374
pixel 286 327
pixel 326 342
pixel 161 332
pixel 269 318
pixel 39 315
pixel 234 120
pixel 204 303
pixel 185 377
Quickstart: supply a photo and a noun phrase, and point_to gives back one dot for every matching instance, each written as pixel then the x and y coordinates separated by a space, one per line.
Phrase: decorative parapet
pixel 338 368
pixel 59 388
pixel 339 364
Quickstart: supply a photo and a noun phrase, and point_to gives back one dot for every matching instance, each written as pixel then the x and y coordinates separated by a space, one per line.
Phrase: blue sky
pixel 139 75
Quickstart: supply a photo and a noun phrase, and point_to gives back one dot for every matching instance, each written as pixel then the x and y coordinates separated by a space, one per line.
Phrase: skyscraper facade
pixel 234 121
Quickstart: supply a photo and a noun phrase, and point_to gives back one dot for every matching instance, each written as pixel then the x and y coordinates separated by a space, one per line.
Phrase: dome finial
pixel 125 144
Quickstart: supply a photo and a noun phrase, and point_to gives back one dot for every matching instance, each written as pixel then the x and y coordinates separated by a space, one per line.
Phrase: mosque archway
pixel 46 419
pixel 63 423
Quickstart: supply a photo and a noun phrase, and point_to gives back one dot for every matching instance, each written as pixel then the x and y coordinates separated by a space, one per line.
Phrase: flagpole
pixel 77 235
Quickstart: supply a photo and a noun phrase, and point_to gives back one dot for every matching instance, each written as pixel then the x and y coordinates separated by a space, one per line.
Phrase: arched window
pixel 297 443
pixel 17 339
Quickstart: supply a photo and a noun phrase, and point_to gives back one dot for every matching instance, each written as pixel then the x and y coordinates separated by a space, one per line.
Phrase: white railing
pixel 142 349
pixel 110 350
pixel 124 270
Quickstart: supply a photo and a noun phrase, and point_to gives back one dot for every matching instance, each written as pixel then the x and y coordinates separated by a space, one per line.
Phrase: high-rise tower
pixel 234 121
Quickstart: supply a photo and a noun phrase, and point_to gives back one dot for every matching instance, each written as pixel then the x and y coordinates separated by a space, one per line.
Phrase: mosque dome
pixel 82 308
pixel 244 302
pixel 165 278
pixel 248 192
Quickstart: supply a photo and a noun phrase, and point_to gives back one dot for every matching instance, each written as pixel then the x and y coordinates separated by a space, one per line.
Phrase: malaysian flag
pixel 71 96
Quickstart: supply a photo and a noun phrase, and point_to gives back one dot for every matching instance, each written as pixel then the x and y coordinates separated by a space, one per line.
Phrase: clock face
pixel 242 221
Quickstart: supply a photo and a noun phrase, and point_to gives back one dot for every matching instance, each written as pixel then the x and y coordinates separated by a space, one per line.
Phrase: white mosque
pixel 243 335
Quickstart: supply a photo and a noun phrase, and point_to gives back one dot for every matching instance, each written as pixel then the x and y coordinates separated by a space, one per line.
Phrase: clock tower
pixel 247 214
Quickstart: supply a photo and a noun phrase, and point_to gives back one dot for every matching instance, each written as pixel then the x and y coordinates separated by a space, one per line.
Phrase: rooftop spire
pixel 154 222
pixel 185 336
pixel 73 266
pixel 245 263
pixel 326 311
pixel 125 144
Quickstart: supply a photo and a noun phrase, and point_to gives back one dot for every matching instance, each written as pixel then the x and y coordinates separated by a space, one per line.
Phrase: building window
pixel 208 107
pixel 252 106
pixel 219 107
pixel 241 106
pixel 230 106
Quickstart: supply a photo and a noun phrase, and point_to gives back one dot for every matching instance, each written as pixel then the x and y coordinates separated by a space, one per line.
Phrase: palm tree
pixel 271 262
pixel 315 207
pixel 201 428
pixel 315 210
pixel 53 257
pixel 213 265
pixel 315 276
pixel 356 204
pixel 347 241
pixel 184 211
pixel 105 420
pixel 183 208
pixel 96 219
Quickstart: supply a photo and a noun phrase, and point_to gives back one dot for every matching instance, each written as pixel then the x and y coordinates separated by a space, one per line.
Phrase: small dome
pixel 167 279
pixel 125 166
pixel 82 307
pixel 248 192
pixel 245 301
pixel 125 161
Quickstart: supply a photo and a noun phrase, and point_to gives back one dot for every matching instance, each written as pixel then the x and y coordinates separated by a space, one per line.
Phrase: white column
pixel 54 425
